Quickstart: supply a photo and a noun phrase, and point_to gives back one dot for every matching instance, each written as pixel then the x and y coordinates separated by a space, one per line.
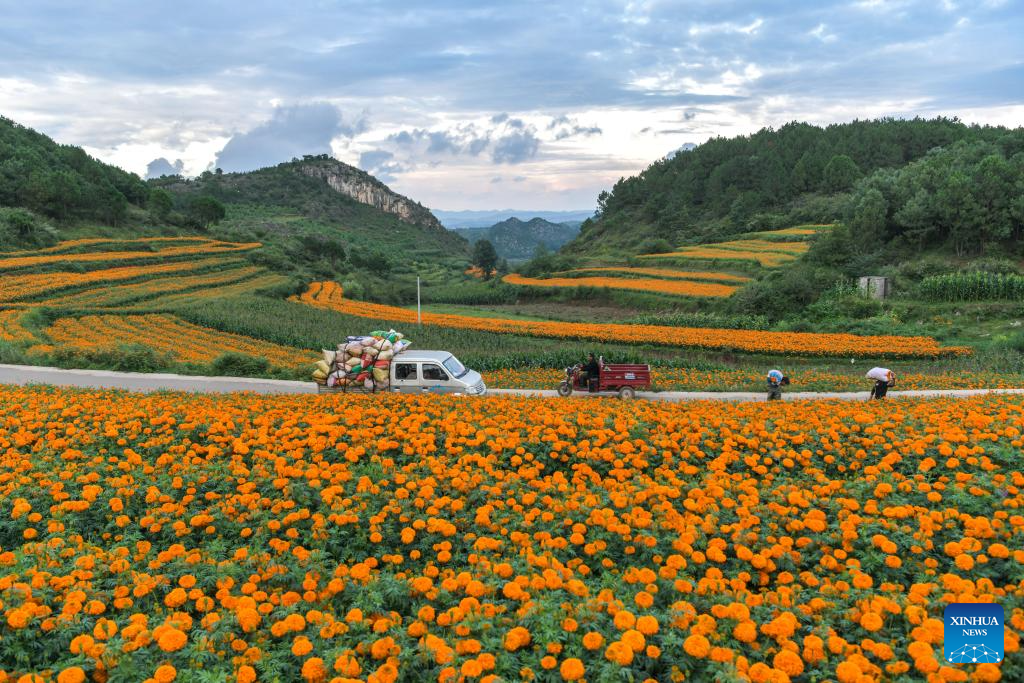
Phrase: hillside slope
pixel 517 240
pixel 318 215
pixel 773 178
pixel 41 181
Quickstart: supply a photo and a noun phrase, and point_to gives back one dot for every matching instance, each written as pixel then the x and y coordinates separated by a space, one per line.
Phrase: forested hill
pixel 923 179
pixel 61 181
pixel 517 240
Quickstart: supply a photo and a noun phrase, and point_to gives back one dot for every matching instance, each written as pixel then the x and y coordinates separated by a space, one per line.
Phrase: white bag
pixel 880 374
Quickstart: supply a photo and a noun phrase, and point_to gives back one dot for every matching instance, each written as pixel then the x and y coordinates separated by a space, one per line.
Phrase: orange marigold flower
pixel 647 625
pixel 172 640
pixel 72 674
pixel 788 661
pixel 313 670
pixel 697 646
pixel 165 673
pixel 848 672
pixel 619 653
pixel 593 640
pixel 517 638
pixel 571 669
pixel 871 621
pixel 301 646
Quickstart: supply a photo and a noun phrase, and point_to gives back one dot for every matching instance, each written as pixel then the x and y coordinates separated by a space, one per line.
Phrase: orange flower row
pixel 184 341
pixel 96 241
pixel 207 247
pixel 317 538
pixel 33 284
pixel 225 291
pixel 790 248
pixel 765 258
pixel 11 328
pixel 664 273
pixel 329 295
pixel 117 297
pixel 477 271
pixel 674 287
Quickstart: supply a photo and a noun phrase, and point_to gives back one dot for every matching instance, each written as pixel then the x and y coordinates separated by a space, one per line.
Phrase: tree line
pixel 735 184
pixel 62 183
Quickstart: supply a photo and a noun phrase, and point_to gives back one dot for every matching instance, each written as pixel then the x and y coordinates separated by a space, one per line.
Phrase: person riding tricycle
pixel 596 376
pixel 590 373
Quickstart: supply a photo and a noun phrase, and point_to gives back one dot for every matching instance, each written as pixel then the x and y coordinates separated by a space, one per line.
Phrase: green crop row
pixel 972 286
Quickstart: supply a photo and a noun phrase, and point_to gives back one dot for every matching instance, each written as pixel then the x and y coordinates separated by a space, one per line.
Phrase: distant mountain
pixel 482 219
pixel 517 240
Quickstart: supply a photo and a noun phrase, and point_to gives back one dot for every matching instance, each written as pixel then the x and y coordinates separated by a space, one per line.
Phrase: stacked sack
pixel 361 361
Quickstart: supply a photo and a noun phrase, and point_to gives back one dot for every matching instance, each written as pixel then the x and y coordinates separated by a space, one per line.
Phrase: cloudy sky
pixel 463 104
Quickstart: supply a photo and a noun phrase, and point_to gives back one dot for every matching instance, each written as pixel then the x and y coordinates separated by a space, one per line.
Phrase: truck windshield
pixel 454 366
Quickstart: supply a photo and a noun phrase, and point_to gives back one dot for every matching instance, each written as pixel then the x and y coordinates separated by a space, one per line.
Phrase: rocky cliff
pixel 364 188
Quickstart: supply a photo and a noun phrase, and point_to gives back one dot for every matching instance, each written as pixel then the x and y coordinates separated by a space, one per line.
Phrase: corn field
pixel 973 286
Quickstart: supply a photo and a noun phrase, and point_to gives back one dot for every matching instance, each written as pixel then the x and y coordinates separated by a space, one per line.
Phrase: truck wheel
pixel 627 393
pixel 564 389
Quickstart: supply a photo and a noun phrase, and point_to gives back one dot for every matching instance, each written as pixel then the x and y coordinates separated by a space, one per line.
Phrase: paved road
pixel 134 381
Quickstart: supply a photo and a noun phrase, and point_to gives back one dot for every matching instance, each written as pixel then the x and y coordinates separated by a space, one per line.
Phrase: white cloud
pixel 821 33
pixel 726 27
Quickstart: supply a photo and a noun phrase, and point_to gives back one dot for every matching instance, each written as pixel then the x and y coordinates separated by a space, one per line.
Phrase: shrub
pixel 240 365
pixel 655 245
pixel 124 358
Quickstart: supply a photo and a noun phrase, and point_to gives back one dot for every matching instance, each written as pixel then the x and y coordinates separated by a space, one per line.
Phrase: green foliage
pixel 654 245
pixel 160 203
pixel 704 319
pixel 844 301
pixel 972 286
pixel 60 181
pixel 544 262
pixel 472 293
pixel 840 173
pixel 731 185
pixel 13 354
pixel 485 257
pixel 206 211
pixel 966 195
pixel 22 229
pixel 239 365
pixel 125 358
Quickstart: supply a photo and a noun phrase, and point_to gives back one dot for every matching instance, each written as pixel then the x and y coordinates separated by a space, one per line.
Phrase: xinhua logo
pixel 973 633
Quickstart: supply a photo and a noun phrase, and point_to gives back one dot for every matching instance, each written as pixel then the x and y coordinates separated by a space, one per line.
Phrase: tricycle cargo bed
pixel 625 374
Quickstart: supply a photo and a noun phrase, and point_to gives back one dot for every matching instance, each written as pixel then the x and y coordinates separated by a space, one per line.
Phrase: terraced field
pixel 766 249
pixel 114 273
pixel 126 279
pixel 185 342
pixel 766 253
pixel 673 286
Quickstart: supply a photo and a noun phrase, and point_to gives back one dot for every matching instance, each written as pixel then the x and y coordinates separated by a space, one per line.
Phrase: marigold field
pixel 661 286
pixel 331 296
pixel 330 538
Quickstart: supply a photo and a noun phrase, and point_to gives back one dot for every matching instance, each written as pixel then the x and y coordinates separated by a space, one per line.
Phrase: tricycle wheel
pixel 627 393
pixel 564 389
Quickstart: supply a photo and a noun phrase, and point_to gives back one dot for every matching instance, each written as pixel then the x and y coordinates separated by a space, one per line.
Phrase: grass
pixel 476 311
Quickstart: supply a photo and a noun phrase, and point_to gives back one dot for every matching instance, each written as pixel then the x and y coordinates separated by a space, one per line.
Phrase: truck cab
pixel 434 372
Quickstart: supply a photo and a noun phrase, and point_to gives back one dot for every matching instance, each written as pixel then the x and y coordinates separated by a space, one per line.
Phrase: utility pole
pixel 419 315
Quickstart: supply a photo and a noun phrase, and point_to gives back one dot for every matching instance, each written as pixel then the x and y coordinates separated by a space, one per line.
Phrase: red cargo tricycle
pixel 622 378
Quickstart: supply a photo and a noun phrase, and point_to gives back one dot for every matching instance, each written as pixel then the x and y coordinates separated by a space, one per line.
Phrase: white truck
pixel 422 372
